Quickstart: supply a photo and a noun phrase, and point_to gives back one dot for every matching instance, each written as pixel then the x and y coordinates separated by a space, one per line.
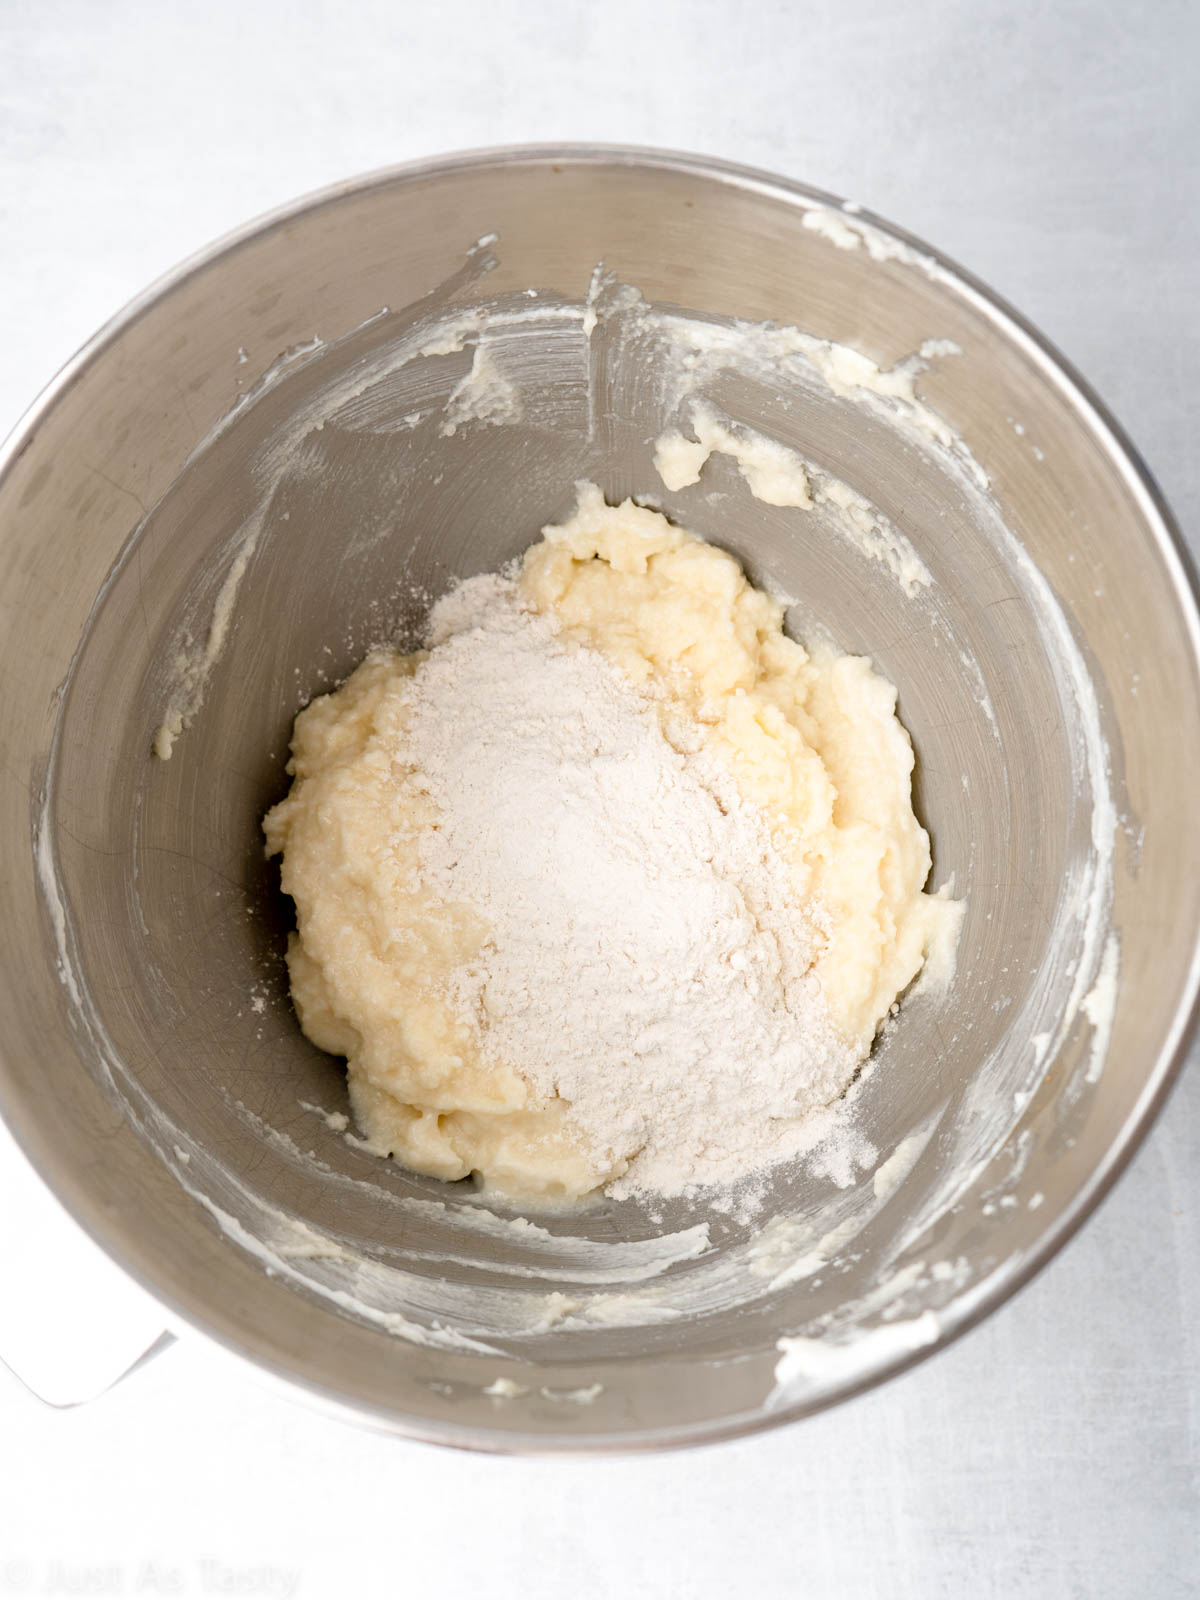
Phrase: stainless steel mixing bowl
pixel 151 1065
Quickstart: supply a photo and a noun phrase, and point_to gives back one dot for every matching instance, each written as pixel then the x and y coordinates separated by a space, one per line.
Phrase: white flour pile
pixel 612 886
pixel 649 960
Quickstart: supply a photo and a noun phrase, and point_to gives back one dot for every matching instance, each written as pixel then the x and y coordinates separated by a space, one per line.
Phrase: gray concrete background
pixel 1054 149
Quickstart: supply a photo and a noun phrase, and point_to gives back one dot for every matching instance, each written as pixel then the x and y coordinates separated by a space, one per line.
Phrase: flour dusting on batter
pixel 612 885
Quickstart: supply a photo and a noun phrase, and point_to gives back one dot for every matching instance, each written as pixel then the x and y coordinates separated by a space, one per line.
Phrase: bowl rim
pixel 960 1315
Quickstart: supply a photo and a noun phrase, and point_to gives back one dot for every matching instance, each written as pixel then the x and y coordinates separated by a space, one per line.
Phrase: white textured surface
pixel 1055 1451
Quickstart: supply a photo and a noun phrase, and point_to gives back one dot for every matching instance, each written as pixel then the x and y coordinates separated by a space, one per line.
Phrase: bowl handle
pixel 71 1323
